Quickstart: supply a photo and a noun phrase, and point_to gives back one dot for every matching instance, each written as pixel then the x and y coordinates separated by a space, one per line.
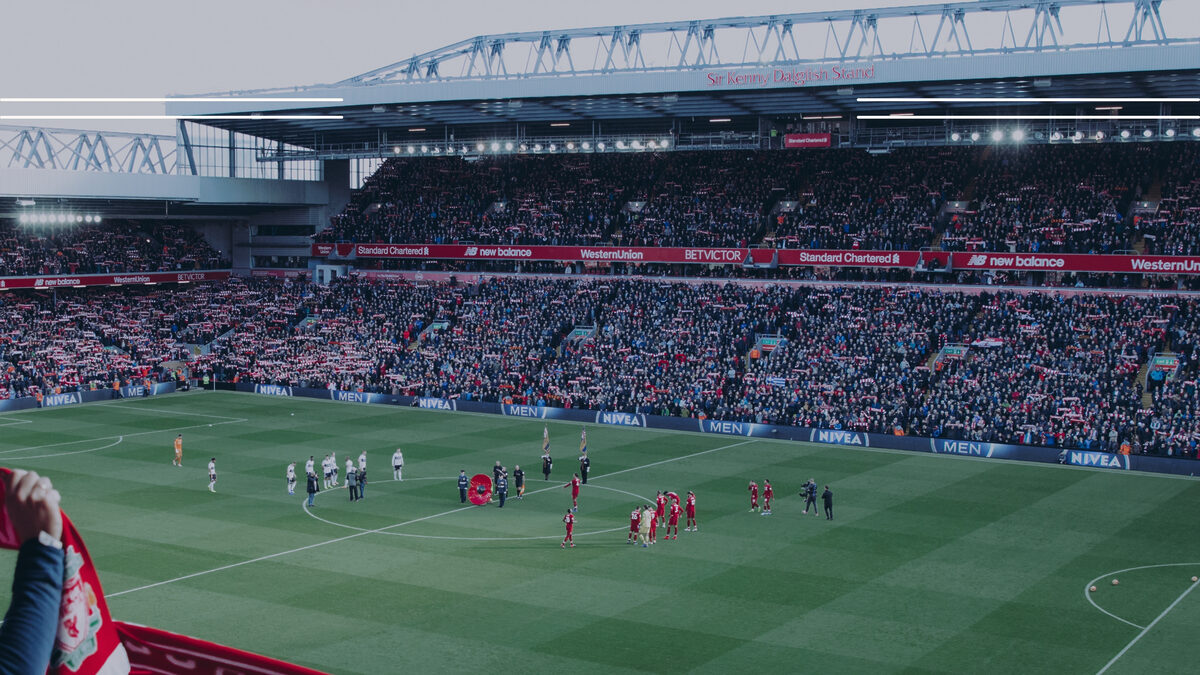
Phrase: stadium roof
pixel 633 77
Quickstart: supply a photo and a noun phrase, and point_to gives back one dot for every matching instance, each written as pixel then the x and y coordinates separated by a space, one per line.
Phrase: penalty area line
pixel 319 544
pixel 1145 630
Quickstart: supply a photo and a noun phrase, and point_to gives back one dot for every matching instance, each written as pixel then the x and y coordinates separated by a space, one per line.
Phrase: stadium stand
pixel 1047 198
pixel 1019 367
pixel 108 247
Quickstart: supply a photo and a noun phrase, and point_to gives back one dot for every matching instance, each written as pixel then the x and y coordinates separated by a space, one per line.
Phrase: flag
pixel 90 642
pixel 87 642
pixel 582 440
pixel 546 438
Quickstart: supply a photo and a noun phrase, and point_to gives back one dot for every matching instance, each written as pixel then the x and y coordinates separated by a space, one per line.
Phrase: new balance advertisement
pixel 1078 262
pixel 131 279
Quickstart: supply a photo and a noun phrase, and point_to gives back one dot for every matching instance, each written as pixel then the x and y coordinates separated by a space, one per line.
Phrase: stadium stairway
pixel 1147 397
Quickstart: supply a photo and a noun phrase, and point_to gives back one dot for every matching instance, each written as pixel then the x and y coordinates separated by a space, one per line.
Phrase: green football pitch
pixel 932 564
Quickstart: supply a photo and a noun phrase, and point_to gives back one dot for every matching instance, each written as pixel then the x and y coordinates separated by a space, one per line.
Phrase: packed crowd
pixel 1052 198
pixel 871 202
pixel 1174 229
pixel 1033 368
pixel 103 248
pixel 1047 198
pixel 90 338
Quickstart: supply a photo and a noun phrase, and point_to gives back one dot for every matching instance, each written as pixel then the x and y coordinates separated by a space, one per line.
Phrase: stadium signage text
pixel 436 403
pixel 350 396
pixel 272 390
pixel 53 400
pixel 968 448
pixel 623 419
pixel 1097 459
pixel 780 77
pixel 1027 453
pixel 535 411
pixel 730 428
pixel 81 280
pixel 840 437
pixel 1072 262
pixel 807 140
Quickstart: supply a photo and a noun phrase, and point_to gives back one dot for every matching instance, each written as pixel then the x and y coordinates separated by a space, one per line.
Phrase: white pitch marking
pixel 63 454
pixel 1145 630
pixel 106 438
pixel 360 534
pixel 1088 596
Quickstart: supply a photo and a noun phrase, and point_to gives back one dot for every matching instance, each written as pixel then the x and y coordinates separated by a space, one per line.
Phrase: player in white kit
pixel 398 465
pixel 212 475
pixel 291 478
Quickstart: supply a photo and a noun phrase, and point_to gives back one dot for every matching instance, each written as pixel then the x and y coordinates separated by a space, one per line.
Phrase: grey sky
pixel 157 47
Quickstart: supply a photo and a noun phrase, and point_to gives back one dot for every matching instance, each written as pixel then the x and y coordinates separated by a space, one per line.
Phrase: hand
pixel 33 505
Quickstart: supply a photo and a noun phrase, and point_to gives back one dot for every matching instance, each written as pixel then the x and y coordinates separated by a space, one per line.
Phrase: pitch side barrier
pixel 959 260
pixel 78 397
pixel 939 446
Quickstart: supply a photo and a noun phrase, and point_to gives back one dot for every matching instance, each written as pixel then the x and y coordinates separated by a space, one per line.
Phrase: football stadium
pixel 895 308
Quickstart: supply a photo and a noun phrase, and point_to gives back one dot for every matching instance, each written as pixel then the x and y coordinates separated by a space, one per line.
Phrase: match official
pixel 827 497
pixel 502 488
pixel 463 484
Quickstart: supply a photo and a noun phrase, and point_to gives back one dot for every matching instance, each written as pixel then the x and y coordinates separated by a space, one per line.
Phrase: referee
pixel 584 464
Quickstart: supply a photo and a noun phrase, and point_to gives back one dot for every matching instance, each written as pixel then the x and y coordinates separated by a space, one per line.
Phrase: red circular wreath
pixel 481 489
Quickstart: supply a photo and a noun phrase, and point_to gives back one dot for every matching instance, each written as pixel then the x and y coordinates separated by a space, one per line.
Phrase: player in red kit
pixel 753 496
pixel 653 529
pixel 691 513
pixel 673 497
pixel 768 492
pixel 673 520
pixel 660 506
pixel 635 519
pixel 574 485
pixel 569 519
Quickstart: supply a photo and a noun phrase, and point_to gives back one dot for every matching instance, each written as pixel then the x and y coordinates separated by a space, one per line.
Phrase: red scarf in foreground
pixel 89 642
